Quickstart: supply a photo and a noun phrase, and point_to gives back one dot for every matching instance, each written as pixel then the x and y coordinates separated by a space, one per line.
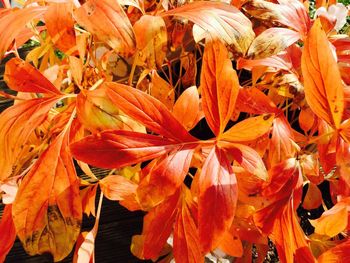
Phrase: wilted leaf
pixel 17 123
pixel 217 199
pixel 219 86
pixel 47 211
pixel 272 41
pixel 219 20
pixel 151 40
pixel 322 82
pixel 107 20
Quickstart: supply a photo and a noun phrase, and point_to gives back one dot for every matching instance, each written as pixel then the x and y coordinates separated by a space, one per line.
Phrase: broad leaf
pixel 115 149
pixel 147 110
pixel 47 211
pixel 217 199
pixel 249 129
pixel 337 254
pixel 323 86
pixel 22 76
pixel 219 86
pixel 107 20
pixel 219 20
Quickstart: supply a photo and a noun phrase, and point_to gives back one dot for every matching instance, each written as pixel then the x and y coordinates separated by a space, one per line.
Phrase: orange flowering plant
pixel 227 123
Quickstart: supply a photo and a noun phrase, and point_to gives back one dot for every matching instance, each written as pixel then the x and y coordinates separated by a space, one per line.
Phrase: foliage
pixel 218 120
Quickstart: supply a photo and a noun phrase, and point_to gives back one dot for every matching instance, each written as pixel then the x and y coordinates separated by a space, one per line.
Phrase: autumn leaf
pixel 271 42
pixel 187 108
pixel 8 236
pixel 217 199
pixel 17 125
pixel 219 86
pixel 162 90
pixel 151 40
pixel 22 76
pixel 13 22
pixel 148 111
pixel 226 22
pixel 322 82
pixel 337 254
pixel 47 211
pixel 248 129
pixel 107 20
pixel 60 25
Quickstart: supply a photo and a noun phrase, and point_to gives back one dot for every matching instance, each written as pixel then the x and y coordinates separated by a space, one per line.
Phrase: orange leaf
pixel 47 211
pixel 60 25
pixel 17 123
pixel 249 129
pixel 97 112
pixel 107 20
pixel 8 232
pixel 13 22
pixel 186 239
pixel 248 158
pixel 162 90
pixel 334 220
pixel 157 226
pixel 313 197
pixel 115 149
pixel 22 76
pixel 116 187
pixel 217 199
pixel 165 178
pixel 219 86
pixel 186 108
pixel 151 40
pixel 147 110
pixel 226 22
pixel 324 91
pixel 337 254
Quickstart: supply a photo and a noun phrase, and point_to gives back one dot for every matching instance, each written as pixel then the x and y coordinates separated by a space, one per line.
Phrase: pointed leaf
pixel 186 108
pixel 147 110
pixel 249 129
pixel 117 188
pixel 217 199
pixel 248 158
pixel 219 86
pixel 22 76
pixel 323 86
pixel 337 254
pixel 165 178
pixel 47 211
pixel 115 149
pixel 226 22
pixel 107 20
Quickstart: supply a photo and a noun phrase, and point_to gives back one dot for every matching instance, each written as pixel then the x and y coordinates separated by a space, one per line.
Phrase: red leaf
pixel 22 76
pixel 165 178
pixel 115 149
pixel 337 254
pixel 8 232
pixel 148 111
pixel 219 86
pixel 217 199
